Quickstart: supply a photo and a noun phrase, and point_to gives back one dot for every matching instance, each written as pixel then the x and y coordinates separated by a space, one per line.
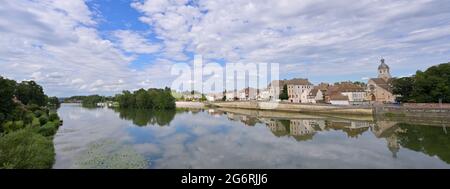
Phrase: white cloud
pixel 134 42
pixel 319 36
pixel 57 44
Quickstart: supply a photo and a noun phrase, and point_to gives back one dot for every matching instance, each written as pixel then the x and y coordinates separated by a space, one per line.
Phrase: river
pixel 214 138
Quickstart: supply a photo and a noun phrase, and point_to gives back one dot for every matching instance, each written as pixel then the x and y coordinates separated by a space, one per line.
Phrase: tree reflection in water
pixel 145 117
pixel 431 140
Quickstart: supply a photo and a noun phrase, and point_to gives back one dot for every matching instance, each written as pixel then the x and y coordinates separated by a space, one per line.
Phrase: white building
pixel 315 95
pixel 263 95
pixel 339 99
pixel 275 88
pixel 214 97
pixel 248 94
pixel 231 96
pixel 355 93
pixel 298 90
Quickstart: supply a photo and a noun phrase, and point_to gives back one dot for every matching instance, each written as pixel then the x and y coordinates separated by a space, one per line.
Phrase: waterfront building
pixel 264 95
pixel 298 90
pixel 275 88
pixel 337 98
pixel 355 93
pixel 248 93
pixel 380 89
pixel 315 95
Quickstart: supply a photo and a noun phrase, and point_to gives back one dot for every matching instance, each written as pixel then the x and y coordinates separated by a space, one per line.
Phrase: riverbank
pixel 294 115
pixel 300 108
pixel 28 143
pixel 188 104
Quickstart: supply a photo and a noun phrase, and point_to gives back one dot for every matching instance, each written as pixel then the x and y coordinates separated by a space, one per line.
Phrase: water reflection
pixel 145 117
pixel 431 140
pixel 224 138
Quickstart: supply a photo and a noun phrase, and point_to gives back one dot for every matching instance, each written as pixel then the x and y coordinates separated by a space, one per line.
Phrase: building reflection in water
pixel 394 133
pixel 430 140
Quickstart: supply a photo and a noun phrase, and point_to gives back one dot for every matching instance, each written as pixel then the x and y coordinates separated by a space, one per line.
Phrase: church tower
pixel 383 71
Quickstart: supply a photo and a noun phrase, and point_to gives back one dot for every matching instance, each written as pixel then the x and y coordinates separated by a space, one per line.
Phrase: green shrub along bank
pixel 28 143
pixel 26 149
pixel 28 122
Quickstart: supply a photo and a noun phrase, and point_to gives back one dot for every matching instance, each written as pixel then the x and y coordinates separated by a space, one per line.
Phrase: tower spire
pixel 383 70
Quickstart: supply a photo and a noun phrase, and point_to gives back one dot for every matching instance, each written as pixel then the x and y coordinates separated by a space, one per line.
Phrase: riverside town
pixel 200 93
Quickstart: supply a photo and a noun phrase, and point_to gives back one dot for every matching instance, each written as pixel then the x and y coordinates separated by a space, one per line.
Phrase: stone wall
pixel 187 104
pixel 296 107
pixel 413 111
pixel 427 105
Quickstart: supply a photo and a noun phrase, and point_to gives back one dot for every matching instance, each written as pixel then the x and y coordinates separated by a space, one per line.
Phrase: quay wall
pixel 290 107
pixel 187 104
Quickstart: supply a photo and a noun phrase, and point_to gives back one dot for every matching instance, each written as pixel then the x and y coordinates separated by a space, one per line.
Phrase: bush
pixel 26 149
pixel 53 117
pixel 33 107
pixel 43 120
pixel 35 122
pixel 38 113
pixel 7 126
pixel 49 129
pixel 2 117
pixel 11 126
pixel 18 125
pixel 28 118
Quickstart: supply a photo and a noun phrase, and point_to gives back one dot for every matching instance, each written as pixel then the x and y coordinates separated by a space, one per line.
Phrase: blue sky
pixel 105 46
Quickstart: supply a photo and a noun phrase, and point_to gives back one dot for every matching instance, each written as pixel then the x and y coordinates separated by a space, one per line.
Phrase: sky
pixel 80 47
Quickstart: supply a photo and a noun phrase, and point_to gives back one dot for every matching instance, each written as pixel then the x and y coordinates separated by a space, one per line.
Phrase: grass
pixel 28 144
pixel 26 149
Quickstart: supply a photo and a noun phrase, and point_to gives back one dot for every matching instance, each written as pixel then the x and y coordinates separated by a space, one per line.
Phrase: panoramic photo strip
pixel 224 92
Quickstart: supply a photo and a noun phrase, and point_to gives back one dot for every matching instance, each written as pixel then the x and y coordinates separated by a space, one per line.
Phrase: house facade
pixel 315 95
pixel 264 95
pixel 356 94
pixel 298 90
pixel 275 88
pixel 338 99
pixel 248 93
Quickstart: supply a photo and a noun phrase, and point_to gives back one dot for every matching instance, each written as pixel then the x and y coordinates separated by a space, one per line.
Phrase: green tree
pixel 142 99
pixel 203 99
pixel 29 92
pixel 53 102
pixel 224 96
pixel 425 87
pixel 7 89
pixel 404 87
pixel 150 99
pixel 284 93
pixel 92 100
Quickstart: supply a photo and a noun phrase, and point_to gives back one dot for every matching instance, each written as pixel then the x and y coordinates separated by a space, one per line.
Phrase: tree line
pixel 88 101
pixel 26 93
pixel 28 122
pixel 430 86
pixel 147 99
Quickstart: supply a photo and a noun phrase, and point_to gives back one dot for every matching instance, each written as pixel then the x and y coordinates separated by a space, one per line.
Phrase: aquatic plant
pixel 108 154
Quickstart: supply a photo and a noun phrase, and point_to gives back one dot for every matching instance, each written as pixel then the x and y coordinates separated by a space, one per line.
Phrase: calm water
pixel 107 138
